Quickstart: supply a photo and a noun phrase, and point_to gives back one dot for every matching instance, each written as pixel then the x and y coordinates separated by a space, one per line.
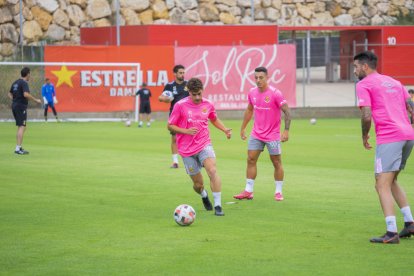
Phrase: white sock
pixel 408 216
pixel 18 147
pixel 175 158
pixel 249 185
pixel 279 185
pixel 217 198
pixel 148 124
pixel 391 224
pixel 140 123
pixel 204 193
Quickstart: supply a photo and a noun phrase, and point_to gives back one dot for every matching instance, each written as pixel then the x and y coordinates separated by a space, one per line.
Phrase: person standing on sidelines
pixel 144 105
pixel 20 94
pixel 411 92
pixel 189 120
pixel 174 92
pixel 49 98
pixel 386 101
pixel 266 104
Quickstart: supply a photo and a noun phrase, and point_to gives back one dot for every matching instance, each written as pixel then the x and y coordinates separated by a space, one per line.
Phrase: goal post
pixel 88 87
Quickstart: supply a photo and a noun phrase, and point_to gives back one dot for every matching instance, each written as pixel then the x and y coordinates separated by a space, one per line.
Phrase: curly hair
pixel 194 85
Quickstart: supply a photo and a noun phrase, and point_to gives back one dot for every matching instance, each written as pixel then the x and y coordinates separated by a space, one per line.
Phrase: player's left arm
pixel 11 93
pixel 219 125
pixel 410 109
pixel 55 101
pixel 366 115
pixel 286 110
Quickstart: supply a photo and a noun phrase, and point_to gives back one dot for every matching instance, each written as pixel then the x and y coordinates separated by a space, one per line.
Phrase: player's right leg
pixel 255 147
pixel 174 151
pixel 251 173
pixel 388 162
pixel 383 186
pixel 148 114
pixel 20 115
pixel 140 119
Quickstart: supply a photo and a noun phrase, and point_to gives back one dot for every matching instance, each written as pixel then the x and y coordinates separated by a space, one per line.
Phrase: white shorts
pixel 194 163
pixel 392 157
pixel 274 147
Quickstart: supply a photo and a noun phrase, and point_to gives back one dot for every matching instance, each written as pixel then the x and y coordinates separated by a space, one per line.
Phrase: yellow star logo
pixel 64 76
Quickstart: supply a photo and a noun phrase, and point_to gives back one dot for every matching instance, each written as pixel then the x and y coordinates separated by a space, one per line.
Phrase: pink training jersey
pixel 387 99
pixel 267 109
pixel 187 114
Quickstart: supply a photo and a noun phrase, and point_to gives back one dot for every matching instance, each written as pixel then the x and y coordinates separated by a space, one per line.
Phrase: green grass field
pixel 98 199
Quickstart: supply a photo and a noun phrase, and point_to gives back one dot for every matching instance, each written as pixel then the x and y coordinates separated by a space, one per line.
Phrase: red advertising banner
pixel 100 85
pixel 228 71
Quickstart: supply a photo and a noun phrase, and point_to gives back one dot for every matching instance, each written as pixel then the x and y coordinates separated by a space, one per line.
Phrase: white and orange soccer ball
pixel 184 215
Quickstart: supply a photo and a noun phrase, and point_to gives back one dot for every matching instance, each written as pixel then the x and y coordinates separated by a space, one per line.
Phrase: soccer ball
pixel 168 94
pixel 127 123
pixel 184 215
pixel 312 121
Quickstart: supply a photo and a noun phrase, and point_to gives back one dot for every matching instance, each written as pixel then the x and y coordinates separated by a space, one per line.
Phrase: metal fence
pixel 323 78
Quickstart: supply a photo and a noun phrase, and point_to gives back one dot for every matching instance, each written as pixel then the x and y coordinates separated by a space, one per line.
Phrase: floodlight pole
pixel 21 26
pixel 308 56
pixel 303 74
pixel 137 99
pixel 252 10
pixel 118 35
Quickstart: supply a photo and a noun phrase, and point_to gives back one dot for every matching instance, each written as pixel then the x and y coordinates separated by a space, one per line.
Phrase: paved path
pixel 320 93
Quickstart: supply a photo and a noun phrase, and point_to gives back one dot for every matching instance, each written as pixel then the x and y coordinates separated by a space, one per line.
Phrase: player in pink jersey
pixel 386 101
pixel 189 120
pixel 266 104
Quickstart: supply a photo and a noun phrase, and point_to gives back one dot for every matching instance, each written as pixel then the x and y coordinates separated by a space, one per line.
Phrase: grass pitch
pixel 98 199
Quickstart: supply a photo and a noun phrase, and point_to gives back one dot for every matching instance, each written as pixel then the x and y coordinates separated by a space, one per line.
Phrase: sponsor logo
pixel 117 82
pixel 261 108
pixel 387 84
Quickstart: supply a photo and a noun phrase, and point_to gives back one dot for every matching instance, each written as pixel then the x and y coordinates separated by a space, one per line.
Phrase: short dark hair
pixel 411 91
pixel 178 67
pixel 194 85
pixel 368 58
pixel 25 71
pixel 261 69
pixel 144 84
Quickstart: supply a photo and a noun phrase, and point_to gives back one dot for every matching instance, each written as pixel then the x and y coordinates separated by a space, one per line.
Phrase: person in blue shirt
pixel 49 97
